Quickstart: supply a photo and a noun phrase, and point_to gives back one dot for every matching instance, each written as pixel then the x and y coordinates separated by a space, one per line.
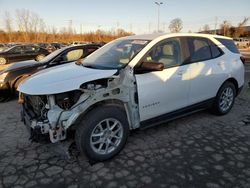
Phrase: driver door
pixel 161 92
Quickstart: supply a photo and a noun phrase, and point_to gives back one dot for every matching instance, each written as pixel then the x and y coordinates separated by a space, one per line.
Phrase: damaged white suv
pixel 130 83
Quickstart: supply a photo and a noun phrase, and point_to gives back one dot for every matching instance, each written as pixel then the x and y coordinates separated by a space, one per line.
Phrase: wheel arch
pixel 108 102
pixel 18 79
pixel 234 82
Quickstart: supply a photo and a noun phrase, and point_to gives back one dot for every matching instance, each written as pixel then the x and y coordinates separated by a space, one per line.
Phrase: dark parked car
pixel 11 77
pixel 2 47
pixel 21 53
pixel 57 45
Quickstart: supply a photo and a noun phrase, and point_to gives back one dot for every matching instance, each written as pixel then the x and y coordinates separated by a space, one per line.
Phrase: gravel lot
pixel 201 150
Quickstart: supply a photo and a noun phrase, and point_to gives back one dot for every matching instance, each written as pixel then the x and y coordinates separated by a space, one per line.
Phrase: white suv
pixel 130 83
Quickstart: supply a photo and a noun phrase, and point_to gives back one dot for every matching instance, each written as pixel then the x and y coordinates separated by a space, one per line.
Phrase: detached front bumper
pixel 37 134
pixel 41 131
pixel 35 129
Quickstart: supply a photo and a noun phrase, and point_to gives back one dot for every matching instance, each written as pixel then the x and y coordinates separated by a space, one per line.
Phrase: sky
pixel 137 16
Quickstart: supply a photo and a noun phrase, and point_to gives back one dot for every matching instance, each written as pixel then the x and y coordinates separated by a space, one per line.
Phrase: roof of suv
pixel 156 35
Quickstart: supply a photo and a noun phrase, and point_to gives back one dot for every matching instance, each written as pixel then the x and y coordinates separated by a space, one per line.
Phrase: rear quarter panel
pixel 238 69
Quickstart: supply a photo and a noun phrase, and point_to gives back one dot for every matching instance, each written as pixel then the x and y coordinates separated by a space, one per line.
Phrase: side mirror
pixel 149 67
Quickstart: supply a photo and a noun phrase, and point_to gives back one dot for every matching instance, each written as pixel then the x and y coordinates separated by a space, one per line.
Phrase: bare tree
pixel 42 28
pixel 232 31
pixel 225 28
pixel 206 29
pixel 8 25
pixel 23 22
pixel 240 30
pixel 31 28
pixel 28 23
pixel 175 25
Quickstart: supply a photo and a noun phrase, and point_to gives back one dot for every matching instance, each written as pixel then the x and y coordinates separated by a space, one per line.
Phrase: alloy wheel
pixel 226 99
pixel 106 136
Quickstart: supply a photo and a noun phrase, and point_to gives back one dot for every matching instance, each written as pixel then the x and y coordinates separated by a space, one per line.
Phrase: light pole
pixel 158 4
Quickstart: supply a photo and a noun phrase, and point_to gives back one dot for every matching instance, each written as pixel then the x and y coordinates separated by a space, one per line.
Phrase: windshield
pixel 3 49
pixel 115 55
pixel 51 55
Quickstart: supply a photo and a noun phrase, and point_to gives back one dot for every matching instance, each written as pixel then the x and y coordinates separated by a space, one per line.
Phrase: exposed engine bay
pixel 53 115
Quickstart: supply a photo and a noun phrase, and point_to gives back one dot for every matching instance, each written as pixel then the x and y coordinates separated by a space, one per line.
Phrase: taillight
pixel 242 59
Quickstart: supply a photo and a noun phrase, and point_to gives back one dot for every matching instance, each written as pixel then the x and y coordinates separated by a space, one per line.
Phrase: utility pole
pixel 215 25
pixel 158 4
pixel 70 24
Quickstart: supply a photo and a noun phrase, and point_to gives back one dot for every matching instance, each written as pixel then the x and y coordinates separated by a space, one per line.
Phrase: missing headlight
pixel 68 99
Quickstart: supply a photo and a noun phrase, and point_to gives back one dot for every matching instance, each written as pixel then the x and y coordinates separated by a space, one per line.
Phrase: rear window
pixel 229 44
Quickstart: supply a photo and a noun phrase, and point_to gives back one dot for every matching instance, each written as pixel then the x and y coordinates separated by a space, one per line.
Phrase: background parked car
pixel 241 42
pixel 57 45
pixel 43 45
pixel 2 47
pixel 11 77
pixel 22 52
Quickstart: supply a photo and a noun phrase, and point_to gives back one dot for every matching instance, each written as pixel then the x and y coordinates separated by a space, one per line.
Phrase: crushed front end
pixel 42 115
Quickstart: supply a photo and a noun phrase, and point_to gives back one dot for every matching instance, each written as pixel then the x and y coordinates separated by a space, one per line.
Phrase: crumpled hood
pixel 61 79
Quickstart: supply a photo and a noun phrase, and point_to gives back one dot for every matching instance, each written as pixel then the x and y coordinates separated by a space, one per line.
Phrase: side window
pixel 29 49
pixel 90 50
pixel 216 51
pixel 73 55
pixel 199 49
pixel 229 44
pixel 167 52
pixel 17 49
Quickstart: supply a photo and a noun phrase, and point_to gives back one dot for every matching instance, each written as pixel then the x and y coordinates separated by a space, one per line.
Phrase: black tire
pixel 5 95
pixel 3 61
pixel 217 107
pixel 89 124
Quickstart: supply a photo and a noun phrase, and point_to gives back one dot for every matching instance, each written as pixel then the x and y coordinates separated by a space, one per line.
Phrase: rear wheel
pixel 3 61
pixel 102 133
pixel 225 98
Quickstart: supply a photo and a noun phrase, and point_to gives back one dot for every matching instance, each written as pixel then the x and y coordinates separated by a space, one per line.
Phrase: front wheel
pixel 102 133
pixel 3 61
pixel 225 98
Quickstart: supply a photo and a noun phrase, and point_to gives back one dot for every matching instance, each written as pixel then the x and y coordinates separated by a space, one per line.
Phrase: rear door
pixel 207 69
pixel 30 52
pixel 160 92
